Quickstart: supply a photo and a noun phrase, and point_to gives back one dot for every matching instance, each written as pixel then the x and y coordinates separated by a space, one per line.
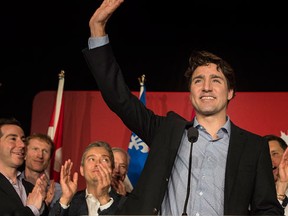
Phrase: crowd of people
pixel 104 168
pixel 26 189
pixel 207 166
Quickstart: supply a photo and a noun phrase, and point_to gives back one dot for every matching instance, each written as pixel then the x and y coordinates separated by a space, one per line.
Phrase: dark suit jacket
pixel 78 206
pixel 10 202
pixel 248 178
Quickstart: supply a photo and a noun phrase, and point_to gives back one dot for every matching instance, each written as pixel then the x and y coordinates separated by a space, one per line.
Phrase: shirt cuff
pixel 35 211
pixel 94 42
pixel 64 206
pixel 107 205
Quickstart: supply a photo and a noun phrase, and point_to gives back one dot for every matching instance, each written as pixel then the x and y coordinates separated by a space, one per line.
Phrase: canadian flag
pixel 55 130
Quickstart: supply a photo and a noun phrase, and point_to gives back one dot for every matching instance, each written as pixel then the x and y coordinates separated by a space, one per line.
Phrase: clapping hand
pixel 68 184
pixel 282 181
pixel 38 194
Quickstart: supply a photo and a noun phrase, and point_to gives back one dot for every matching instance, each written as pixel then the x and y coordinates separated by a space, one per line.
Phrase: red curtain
pixel 87 118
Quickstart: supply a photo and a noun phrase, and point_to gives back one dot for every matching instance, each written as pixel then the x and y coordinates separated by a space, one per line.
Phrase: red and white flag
pixel 55 130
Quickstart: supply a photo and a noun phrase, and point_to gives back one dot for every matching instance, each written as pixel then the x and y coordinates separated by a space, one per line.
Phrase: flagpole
pixel 141 80
pixel 61 76
pixel 55 130
pixel 52 128
pixel 137 149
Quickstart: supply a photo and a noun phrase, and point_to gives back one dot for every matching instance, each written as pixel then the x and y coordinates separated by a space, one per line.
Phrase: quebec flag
pixel 137 149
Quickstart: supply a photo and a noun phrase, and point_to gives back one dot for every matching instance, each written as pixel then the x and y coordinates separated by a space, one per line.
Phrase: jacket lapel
pixel 7 188
pixel 81 203
pixel 235 150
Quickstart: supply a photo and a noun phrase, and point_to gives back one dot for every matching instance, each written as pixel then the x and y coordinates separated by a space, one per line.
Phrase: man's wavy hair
pixel 204 58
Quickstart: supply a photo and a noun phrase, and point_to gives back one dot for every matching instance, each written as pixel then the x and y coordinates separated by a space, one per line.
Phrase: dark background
pixel 155 38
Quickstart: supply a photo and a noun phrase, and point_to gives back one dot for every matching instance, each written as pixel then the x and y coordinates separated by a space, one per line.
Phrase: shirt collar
pixel 226 127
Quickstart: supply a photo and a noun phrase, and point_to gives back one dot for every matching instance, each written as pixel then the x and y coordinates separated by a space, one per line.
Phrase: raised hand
pixel 99 19
pixel 282 181
pixel 68 184
pixel 104 177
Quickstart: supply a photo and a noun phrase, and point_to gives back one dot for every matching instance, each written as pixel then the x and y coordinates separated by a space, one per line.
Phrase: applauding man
pixel 17 197
pixel 96 167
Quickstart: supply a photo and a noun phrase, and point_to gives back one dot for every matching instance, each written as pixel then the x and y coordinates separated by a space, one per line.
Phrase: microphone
pixel 192 137
pixel 192 134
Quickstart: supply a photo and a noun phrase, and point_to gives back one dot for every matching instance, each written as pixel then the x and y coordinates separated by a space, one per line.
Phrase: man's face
pixel 37 155
pixel 121 165
pixel 96 158
pixel 209 92
pixel 12 146
pixel 276 153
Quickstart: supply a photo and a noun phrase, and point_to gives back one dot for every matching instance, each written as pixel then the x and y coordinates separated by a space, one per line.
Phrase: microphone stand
pixel 188 184
pixel 192 137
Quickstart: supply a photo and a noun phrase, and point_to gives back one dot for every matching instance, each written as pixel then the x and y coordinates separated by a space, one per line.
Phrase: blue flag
pixel 137 149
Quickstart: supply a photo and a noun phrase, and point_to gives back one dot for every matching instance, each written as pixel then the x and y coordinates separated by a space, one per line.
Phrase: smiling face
pixel 37 155
pixel 276 153
pixel 209 92
pixel 12 146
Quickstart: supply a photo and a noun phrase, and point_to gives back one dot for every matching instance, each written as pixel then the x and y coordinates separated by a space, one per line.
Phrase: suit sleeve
pixel 117 95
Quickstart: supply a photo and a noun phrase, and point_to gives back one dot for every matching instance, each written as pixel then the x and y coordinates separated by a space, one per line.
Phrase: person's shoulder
pixel 245 132
pixel 175 116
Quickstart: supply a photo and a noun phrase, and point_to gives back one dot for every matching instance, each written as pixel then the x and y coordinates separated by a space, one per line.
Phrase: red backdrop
pixel 87 118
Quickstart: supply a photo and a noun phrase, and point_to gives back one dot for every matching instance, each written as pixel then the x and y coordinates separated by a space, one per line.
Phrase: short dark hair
pixel 99 144
pixel 272 137
pixel 8 121
pixel 203 58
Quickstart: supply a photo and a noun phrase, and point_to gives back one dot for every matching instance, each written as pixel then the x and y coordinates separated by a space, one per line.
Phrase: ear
pixel 230 94
pixel 81 171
